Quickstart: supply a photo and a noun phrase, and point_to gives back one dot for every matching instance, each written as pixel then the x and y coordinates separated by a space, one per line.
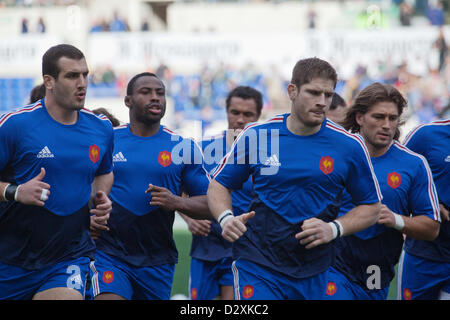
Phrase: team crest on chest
pixel 165 158
pixel 94 153
pixel 394 180
pixel 326 164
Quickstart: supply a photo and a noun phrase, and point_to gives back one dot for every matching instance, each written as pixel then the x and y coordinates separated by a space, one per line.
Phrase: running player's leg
pixel 109 280
pixel 65 281
pixel 254 282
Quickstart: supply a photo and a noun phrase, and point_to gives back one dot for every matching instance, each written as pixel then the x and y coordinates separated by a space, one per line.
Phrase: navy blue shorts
pixel 207 277
pixel 256 282
pixel 111 275
pixel 19 283
pixel 339 287
pixel 422 279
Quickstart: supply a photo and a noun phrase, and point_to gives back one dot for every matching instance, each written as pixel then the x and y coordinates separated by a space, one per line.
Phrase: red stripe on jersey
pixel 431 194
pixel 366 152
pixel 23 110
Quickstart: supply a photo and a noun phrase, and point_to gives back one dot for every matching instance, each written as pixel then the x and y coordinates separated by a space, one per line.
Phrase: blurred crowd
pixel 202 95
pixel 116 24
pixel 40 26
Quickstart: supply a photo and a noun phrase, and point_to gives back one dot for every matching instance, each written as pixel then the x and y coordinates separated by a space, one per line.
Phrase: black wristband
pixel 338 228
pixel 10 191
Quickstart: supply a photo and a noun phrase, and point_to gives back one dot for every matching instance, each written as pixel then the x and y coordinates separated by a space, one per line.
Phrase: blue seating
pixel 14 92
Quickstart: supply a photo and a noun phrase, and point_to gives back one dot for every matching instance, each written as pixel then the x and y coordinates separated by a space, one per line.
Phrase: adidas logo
pixel 119 157
pixel 273 161
pixel 447 159
pixel 45 153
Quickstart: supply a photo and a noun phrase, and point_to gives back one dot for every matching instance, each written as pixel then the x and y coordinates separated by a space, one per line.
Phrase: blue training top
pixel 294 178
pixel 72 155
pixel 407 187
pixel 141 234
pixel 214 247
pixel 432 141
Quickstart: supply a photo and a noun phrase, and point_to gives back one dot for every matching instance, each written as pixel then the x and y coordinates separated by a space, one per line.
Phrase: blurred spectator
pixel 145 26
pixel 108 76
pixel 103 76
pixel 118 24
pixel 312 15
pixel 165 74
pixel 406 12
pixel 435 13
pixel 441 46
pixel 24 25
pixel 100 25
pixel 40 26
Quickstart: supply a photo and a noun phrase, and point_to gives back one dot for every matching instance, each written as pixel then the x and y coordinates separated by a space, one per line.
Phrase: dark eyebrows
pixel 71 74
pixel 162 88
pixel 384 115
pixel 318 91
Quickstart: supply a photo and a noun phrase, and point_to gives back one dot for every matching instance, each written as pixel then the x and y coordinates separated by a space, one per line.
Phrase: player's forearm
pixel 219 198
pixel 3 186
pixel 194 207
pixel 360 218
pixel 421 228
pixel 184 217
pixel 103 183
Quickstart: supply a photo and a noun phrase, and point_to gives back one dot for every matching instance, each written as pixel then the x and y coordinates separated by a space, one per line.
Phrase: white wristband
pixel 334 228
pixel 15 193
pixel 224 216
pixel 4 191
pixel 399 222
pixel 341 228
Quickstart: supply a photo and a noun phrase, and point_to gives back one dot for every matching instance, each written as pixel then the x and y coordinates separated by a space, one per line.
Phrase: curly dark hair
pixel 369 96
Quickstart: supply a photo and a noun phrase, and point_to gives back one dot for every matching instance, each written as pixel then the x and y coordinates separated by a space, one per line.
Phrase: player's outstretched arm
pixel 195 207
pixel 360 218
pixel 316 232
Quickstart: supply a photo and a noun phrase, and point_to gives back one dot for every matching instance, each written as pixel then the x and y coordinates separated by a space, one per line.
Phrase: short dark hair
pixel 52 56
pixel 306 70
pixel 114 121
pixel 135 78
pixel 368 97
pixel 337 101
pixel 246 92
pixel 37 93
